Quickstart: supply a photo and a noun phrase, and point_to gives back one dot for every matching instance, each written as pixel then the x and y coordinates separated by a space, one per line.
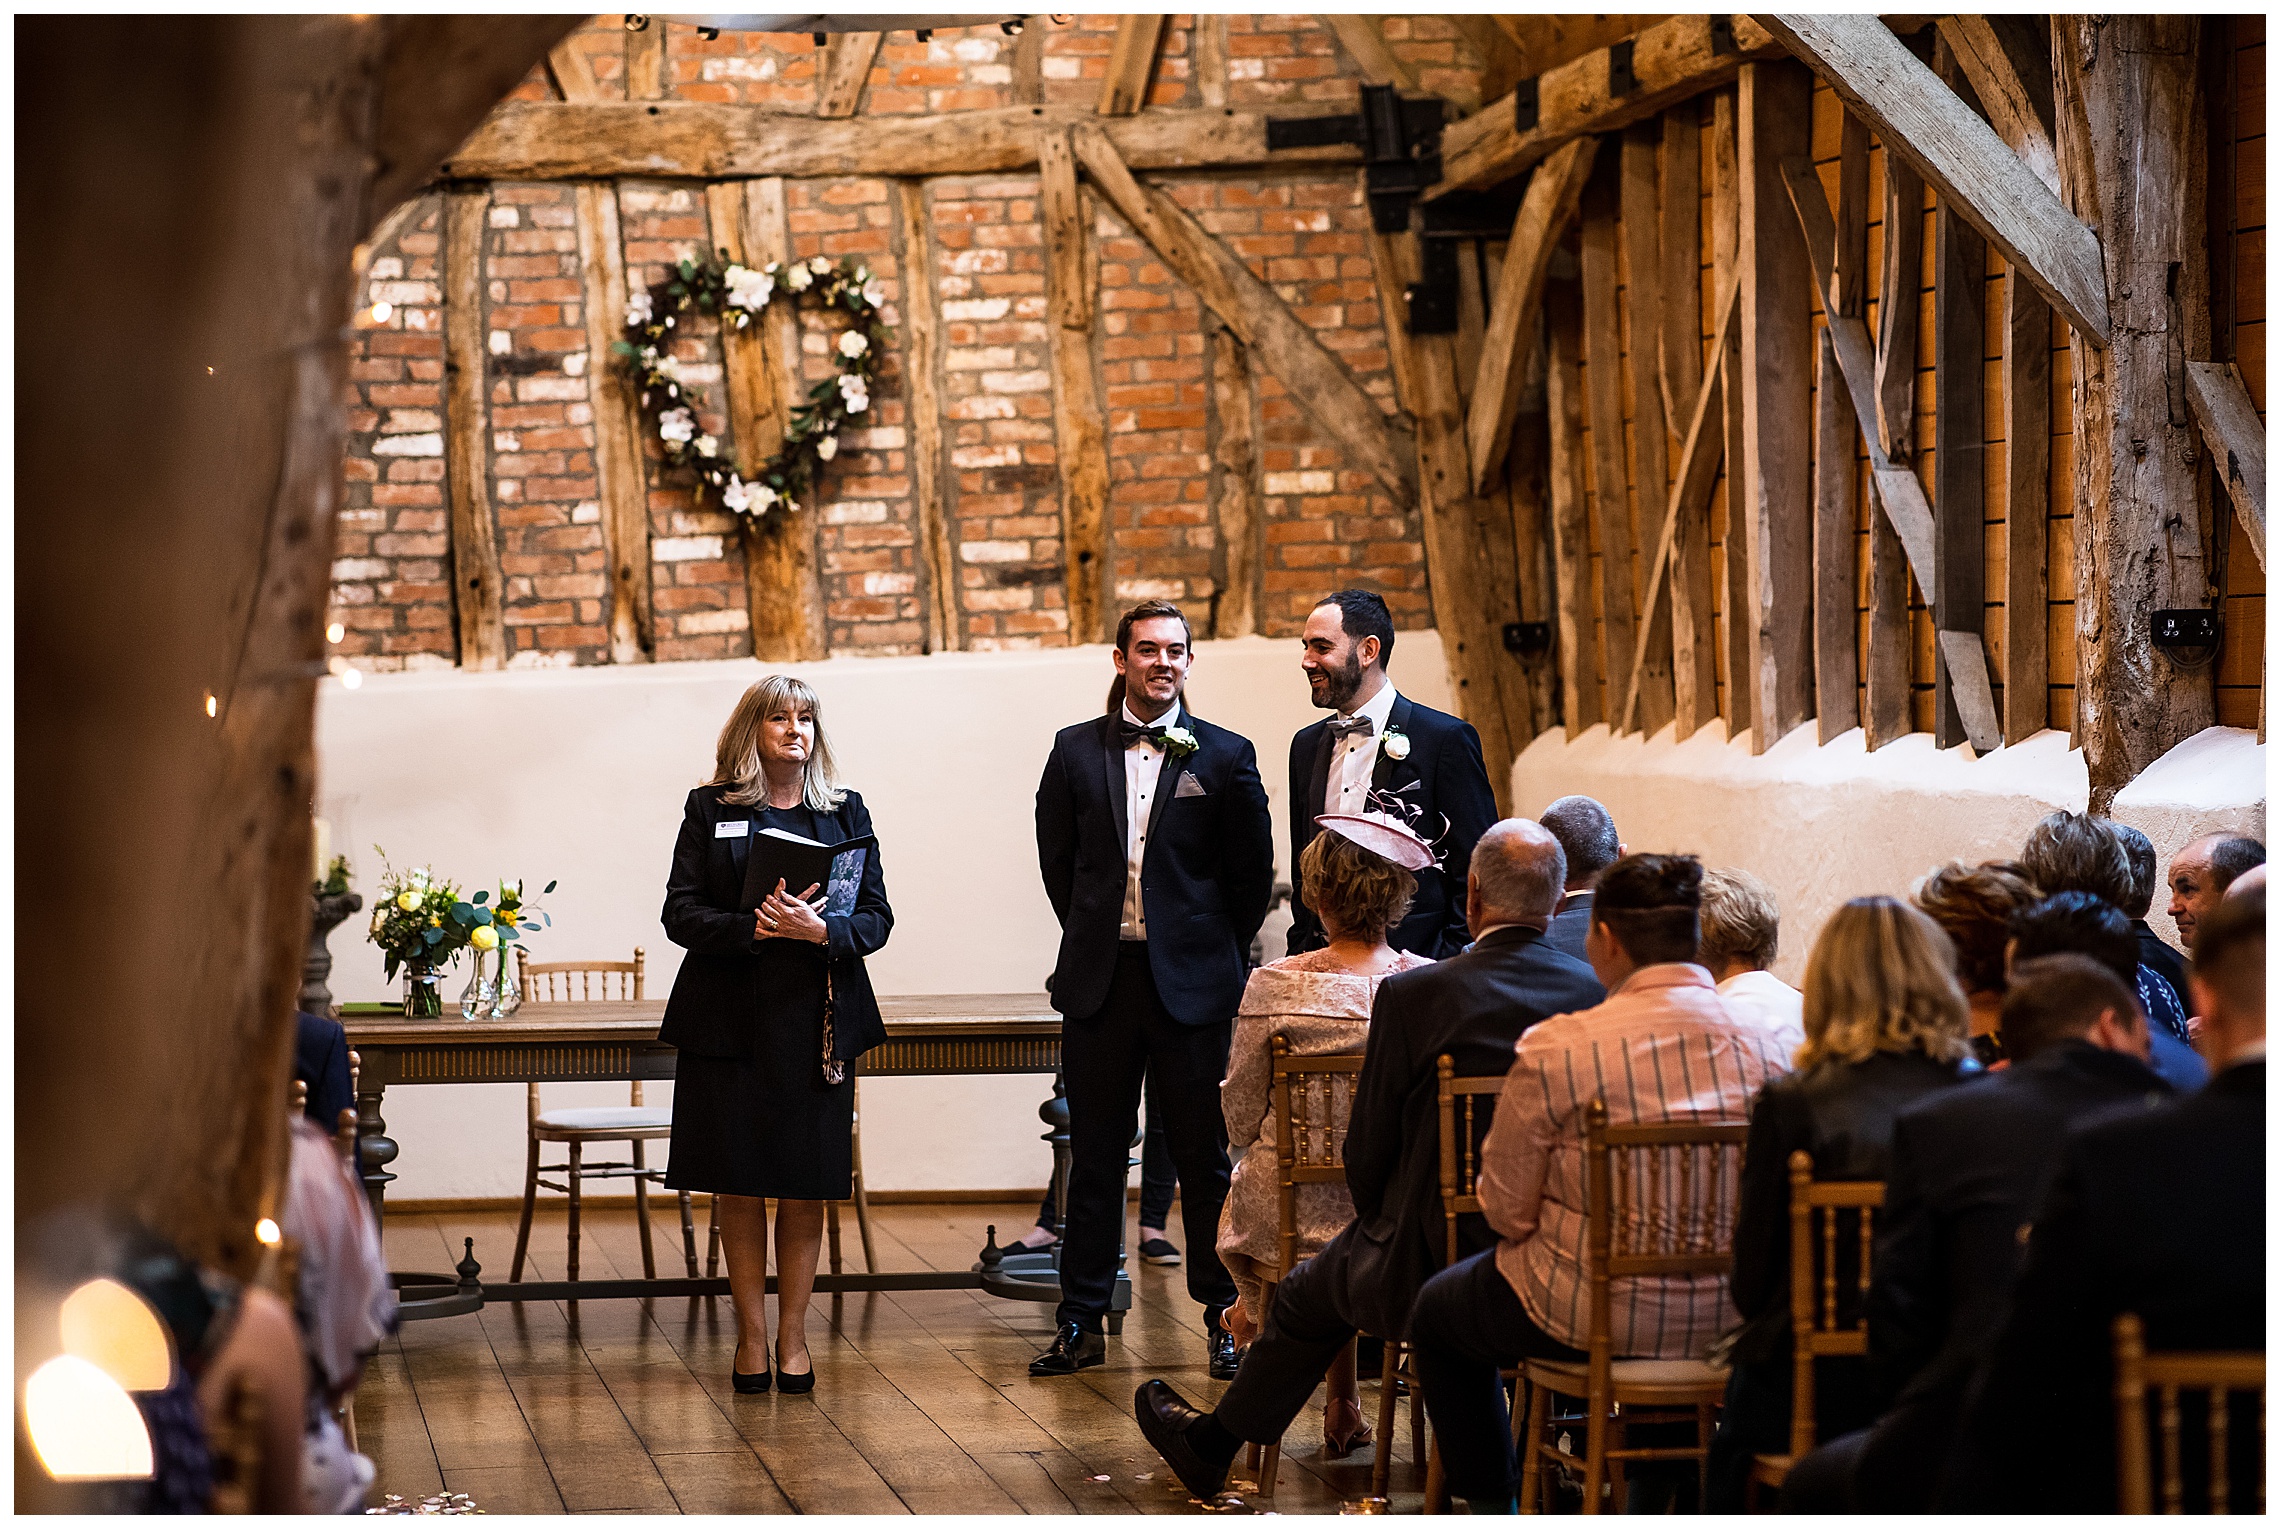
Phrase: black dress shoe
pixel 1220 1346
pixel 1073 1349
pixel 1168 1421
pixel 747 1385
pixel 797 1385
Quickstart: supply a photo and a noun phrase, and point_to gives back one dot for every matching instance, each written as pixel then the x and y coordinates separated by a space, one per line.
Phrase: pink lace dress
pixel 1325 1011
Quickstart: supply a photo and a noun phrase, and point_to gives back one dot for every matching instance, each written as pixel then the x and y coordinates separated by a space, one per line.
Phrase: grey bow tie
pixel 1340 726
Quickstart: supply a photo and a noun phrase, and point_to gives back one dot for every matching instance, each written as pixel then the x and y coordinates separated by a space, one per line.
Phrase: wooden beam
pixel 2235 433
pixel 701 140
pixel 1682 57
pixel 646 74
pixel 1234 483
pixel 1281 340
pixel 1694 658
pixel 1578 636
pixel 1886 716
pixel 1542 221
pixel 1655 704
pixel 1363 38
pixel 2131 117
pixel 1725 223
pixel 2025 383
pixel 620 472
pixel 477 585
pixel 1899 309
pixel 1851 281
pixel 847 61
pixel 1131 63
pixel 1029 64
pixel 1545 41
pixel 435 69
pixel 2007 61
pixel 1527 493
pixel 1502 65
pixel 573 76
pixel 1959 155
pixel 1836 698
pixel 1392 272
pixel 1619 579
pixel 922 418
pixel 1210 45
pixel 1959 446
pixel 1079 422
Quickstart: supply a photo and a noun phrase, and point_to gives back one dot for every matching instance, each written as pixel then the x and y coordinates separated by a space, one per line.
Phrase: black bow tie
pixel 1340 726
pixel 1133 732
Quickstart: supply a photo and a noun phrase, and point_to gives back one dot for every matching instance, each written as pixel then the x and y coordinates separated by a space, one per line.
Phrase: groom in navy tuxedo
pixel 1379 742
pixel 1157 853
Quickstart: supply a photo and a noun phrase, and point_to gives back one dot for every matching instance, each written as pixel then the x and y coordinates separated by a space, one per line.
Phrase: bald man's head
pixel 2201 872
pixel 1518 871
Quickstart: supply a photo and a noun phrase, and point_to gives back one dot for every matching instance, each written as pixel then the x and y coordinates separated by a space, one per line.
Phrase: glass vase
pixel 510 990
pixel 482 990
pixel 423 991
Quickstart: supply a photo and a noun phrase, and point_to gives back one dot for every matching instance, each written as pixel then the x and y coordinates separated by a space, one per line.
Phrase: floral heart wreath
pixel 737 294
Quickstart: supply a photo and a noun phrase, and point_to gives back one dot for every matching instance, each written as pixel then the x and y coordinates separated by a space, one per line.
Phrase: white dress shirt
pixel 1354 761
pixel 1143 766
pixel 1771 1003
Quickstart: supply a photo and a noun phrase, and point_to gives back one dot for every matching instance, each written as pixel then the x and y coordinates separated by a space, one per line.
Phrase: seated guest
pixel 1741 931
pixel 343 1303
pixel 1359 874
pixel 2159 1213
pixel 2201 872
pixel 2154 953
pixel 320 1059
pixel 1664 1046
pixel 2078 924
pixel 1588 839
pixel 2074 852
pixel 1973 907
pixel 1884 1027
pixel 1969 1170
pixel 1472 1007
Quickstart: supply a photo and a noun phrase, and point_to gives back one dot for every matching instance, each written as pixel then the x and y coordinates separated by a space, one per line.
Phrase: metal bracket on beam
pixel 1400 139
pixel 1621 78
pixel 1524 114
pixel 1722 42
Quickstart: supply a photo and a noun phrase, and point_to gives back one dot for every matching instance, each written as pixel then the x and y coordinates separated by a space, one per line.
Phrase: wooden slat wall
pixel 2236 193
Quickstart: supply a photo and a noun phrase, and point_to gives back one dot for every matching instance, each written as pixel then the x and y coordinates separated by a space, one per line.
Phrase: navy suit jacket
pixel 1205 878
pixel 1445 776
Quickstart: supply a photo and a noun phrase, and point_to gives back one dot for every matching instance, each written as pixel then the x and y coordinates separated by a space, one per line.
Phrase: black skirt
pixel 770 1128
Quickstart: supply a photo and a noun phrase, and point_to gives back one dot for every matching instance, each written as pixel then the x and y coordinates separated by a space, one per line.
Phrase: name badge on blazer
pixel 734 828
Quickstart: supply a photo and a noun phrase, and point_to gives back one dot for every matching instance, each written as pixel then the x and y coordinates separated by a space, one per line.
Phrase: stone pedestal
pixel 332 909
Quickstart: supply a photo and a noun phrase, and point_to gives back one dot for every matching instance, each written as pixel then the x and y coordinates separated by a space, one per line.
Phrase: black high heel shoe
pixel 751 1385
pixel 797 1385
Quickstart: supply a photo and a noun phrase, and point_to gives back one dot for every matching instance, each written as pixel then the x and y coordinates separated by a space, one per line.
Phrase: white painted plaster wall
pixel 1826 823
pixel 579 775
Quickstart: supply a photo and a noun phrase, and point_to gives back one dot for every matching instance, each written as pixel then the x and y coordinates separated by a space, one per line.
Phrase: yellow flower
pixel 504 916
pixel 485 937
pixel 408 901
pixel 435 921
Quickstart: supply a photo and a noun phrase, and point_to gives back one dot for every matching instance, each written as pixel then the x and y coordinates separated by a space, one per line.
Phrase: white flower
pixel 1396 745
pixel 648 355
pixel 853 344
pixel 763 498
pixel 873 293
pixel 827 447
pixel 798 278
pixel 737 496
pixel 749 289
pixel 707 446
pixel 676 426
pixel 853 394
pixel 637 309
pixel 1178 741
pixel 667 365
pixel 821 265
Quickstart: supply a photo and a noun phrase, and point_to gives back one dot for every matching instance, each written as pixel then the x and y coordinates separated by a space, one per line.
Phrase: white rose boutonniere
pixel 1179 743
pixel 1396 745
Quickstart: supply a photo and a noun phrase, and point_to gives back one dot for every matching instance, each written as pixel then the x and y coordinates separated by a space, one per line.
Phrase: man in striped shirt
pixel 1663 1047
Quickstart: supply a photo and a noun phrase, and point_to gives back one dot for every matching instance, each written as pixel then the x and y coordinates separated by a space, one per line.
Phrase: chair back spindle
pixel 1822 1324
pixel 1313 1102
pixel 2169 1378
pixel 1466 1104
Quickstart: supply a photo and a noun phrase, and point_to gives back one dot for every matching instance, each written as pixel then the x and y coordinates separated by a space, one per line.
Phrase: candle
pixel 324 849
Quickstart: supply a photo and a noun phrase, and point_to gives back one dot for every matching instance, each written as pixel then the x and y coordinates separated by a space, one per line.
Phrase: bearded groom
pixel 1158 856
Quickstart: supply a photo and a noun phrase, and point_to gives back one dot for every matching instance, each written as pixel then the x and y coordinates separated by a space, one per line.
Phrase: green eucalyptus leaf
pixel 546 889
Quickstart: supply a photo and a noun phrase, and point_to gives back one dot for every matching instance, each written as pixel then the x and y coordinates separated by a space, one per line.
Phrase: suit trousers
pixel 1157 1181
pixel 1468 1325
pixel 1309 1319
pixel 1104 1059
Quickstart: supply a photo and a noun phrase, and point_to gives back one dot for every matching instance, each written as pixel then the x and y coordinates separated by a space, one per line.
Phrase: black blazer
pixel 1970 1167
pixel 320 1059
pixel 1205 878
pixel 1473 1006
pixel 717 997
pixel 1443 775
pixel 2160 1212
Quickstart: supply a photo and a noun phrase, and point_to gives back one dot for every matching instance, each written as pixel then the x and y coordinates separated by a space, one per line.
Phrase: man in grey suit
pixel 1587 836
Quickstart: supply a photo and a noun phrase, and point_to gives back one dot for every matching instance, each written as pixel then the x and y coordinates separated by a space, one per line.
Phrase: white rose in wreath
pixel 749 289
pixel 637 309
pixel 873 293
pixel 799 278
pixel 821 265
pixel 827 447
pixel 763 498
pixel 737 495
pixel 677 426
pixel 1396 745
pixel 853 394
pixel 707 446
pixel 852 344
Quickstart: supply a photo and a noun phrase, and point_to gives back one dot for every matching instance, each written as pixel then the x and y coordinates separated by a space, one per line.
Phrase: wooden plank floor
pixel 923 1401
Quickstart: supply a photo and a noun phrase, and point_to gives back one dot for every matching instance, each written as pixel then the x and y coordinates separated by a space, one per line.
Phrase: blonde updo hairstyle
pixel 1881 978
pixel 736 758
pixel 1358 895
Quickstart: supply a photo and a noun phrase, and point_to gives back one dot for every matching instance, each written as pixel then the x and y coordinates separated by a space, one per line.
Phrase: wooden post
pixel 1777 341
pixel 1836 703
pixel 1899 309
pixel 1527 491
pixel 1364 42
pixel 2026 510
pixel 1131 64
pixel 1650 452
pixel 620 473
pixel 922 417
pixel 2130 116
pixel 1578 636
pixel 847 60
pixel 646 76
pixel 1694 655
pixel 1210 58
pixel 1959 433
pixel 1234 483
pixel 1542 221
pixel 1080 440
pixel 1725 224
pixel 478 587
pixel 1603 385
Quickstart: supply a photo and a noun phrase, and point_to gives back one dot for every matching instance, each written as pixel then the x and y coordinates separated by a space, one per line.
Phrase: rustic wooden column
pixel 1694 657
pixel 1959 433
pixel 2026 510
pixel 478 588
pixel 1725 225
pixel 1578 635
pixel 922 418
pixel 2130 117
pixel 1072 296
pixel 1650 424
pixel 1234 482
pixel 1603 386
pixel 620 472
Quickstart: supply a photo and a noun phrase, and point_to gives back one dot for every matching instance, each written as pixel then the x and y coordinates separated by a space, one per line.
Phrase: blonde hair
pixel 1355 892
pixel 1739 918
pixel 736 758
pixel 1881 978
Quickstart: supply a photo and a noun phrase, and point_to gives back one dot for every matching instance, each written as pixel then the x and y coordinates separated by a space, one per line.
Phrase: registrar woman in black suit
pixel 770 1011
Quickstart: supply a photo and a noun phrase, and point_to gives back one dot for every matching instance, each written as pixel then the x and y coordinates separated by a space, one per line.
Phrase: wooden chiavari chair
pixel 1818 1329
pixel 1465 1106
pixel 1313 1101
pixel 1642 1221
pixel 2140 1376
